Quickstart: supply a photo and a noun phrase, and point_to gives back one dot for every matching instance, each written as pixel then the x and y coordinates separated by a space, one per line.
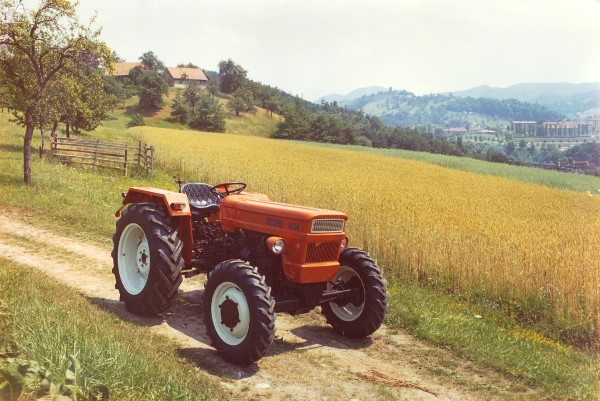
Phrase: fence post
pixel 96 153
pixel 151 159
pixel 139 155
pixel 143 156
pixel 125 164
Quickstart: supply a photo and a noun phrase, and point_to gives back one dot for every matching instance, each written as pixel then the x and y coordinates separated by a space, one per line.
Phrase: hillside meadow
pixel 526 250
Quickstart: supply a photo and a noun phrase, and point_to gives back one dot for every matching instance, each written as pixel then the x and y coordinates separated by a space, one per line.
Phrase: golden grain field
pixel 518 242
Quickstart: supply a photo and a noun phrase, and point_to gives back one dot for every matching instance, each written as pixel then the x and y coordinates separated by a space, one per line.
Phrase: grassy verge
pixel 551 179
pixel 488 336
pixel 45 322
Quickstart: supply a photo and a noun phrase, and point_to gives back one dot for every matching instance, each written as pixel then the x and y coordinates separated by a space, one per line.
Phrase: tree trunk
pixel 27 152
pixel 42 147
pixel 54 127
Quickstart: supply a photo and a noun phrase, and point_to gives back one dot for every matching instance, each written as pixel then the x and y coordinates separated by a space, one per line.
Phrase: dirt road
pixel 306 362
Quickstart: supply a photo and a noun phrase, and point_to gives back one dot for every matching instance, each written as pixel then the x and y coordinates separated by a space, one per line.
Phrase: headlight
pixel 275 245
pixel 344 244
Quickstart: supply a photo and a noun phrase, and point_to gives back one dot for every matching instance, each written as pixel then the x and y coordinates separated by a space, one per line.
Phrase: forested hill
pixel 567 98
pixel 403 108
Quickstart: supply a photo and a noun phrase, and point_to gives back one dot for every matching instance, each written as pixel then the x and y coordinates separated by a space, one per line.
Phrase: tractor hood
pixel 255 212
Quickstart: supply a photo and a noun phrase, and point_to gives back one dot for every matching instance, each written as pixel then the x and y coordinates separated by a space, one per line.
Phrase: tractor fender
pixel 174 203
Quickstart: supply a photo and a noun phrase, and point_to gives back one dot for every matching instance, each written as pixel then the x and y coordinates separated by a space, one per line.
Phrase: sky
pixel 312 48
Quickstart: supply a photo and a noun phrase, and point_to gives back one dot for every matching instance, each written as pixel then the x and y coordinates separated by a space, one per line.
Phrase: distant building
pixel 456 131
pixel 180 77
pixel 594 123
pixel 566 128
pixel 524 128
pixel 486 132
pixel 121 70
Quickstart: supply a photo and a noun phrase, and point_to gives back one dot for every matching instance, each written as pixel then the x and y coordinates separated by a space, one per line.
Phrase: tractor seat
pixel 200 197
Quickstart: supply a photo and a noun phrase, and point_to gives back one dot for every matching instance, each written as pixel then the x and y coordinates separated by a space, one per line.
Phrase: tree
pixel 197 108
pixel 188 65
pixel 209 115
pixel 151 87
pixel 296 122
pixel 213 87
pixel 151 62
pixel 589 151
pixel 82 105
pixel 192 95
pixel 272 104
pixel 233 76
pixel 38 49
pixel 236 105
pixel 150 81
pixel 180 110
pixel 119 91
pixel 243 101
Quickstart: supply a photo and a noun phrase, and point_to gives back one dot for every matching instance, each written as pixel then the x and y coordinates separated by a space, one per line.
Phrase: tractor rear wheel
pixel 239 312
pixel 364 313
pixel 147 259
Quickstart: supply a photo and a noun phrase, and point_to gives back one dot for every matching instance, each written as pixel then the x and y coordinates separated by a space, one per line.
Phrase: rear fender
pixel 174 203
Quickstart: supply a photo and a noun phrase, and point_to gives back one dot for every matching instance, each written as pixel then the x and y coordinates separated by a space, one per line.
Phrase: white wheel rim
pixel 134 259
pixel 228 293
pixel 348 312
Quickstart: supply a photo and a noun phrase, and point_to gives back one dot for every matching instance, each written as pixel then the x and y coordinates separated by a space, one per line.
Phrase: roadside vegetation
pixel 494 271
pixel 482 332
pixel 54 341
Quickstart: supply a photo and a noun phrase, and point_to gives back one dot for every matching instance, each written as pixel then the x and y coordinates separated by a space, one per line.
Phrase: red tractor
pixel 262 257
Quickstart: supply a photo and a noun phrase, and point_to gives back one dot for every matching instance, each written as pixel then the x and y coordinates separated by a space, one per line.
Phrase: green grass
pixel 48 323
pixel 262 123
pixel 80 202
pixel 547 178
pixel 481 333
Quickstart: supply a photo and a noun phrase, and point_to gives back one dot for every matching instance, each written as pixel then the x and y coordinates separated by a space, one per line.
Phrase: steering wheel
pixel 225 189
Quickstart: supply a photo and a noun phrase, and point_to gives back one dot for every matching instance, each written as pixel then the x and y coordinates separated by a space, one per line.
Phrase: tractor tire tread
pixel 376 296
pixel 166 260
pixel 262 307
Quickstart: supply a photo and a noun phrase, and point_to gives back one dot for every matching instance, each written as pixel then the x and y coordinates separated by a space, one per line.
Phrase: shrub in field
pixel 136 121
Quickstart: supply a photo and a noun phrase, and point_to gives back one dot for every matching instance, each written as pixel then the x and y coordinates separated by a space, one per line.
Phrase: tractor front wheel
pixel 239 312
pixel 362 314
pixel 147 259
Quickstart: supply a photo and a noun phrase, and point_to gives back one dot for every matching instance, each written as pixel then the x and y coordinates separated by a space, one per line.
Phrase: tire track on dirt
pixel 306 362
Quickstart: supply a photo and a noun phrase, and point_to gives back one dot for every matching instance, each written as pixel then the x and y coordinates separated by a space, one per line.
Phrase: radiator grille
pixel 327 226
pixel 322 252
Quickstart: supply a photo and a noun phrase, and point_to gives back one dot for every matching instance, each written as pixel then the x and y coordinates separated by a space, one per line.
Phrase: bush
pixel 136 121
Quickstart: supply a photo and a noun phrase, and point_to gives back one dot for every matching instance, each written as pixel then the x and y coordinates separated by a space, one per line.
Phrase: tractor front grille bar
pixel 327 226
pixel 322 252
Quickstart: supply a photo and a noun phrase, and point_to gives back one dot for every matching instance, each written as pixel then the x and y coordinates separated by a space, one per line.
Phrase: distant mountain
pixel 565 98
pixel 355 94
pixel 403 108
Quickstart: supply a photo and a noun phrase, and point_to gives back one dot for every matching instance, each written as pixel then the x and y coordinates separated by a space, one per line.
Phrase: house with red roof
pixel 121 70
pixel 180 77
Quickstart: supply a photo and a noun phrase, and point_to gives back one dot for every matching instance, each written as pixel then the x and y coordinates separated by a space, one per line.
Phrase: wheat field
pixel 521 244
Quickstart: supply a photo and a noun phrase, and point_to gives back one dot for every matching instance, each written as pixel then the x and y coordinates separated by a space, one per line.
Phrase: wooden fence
pixel 110 155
